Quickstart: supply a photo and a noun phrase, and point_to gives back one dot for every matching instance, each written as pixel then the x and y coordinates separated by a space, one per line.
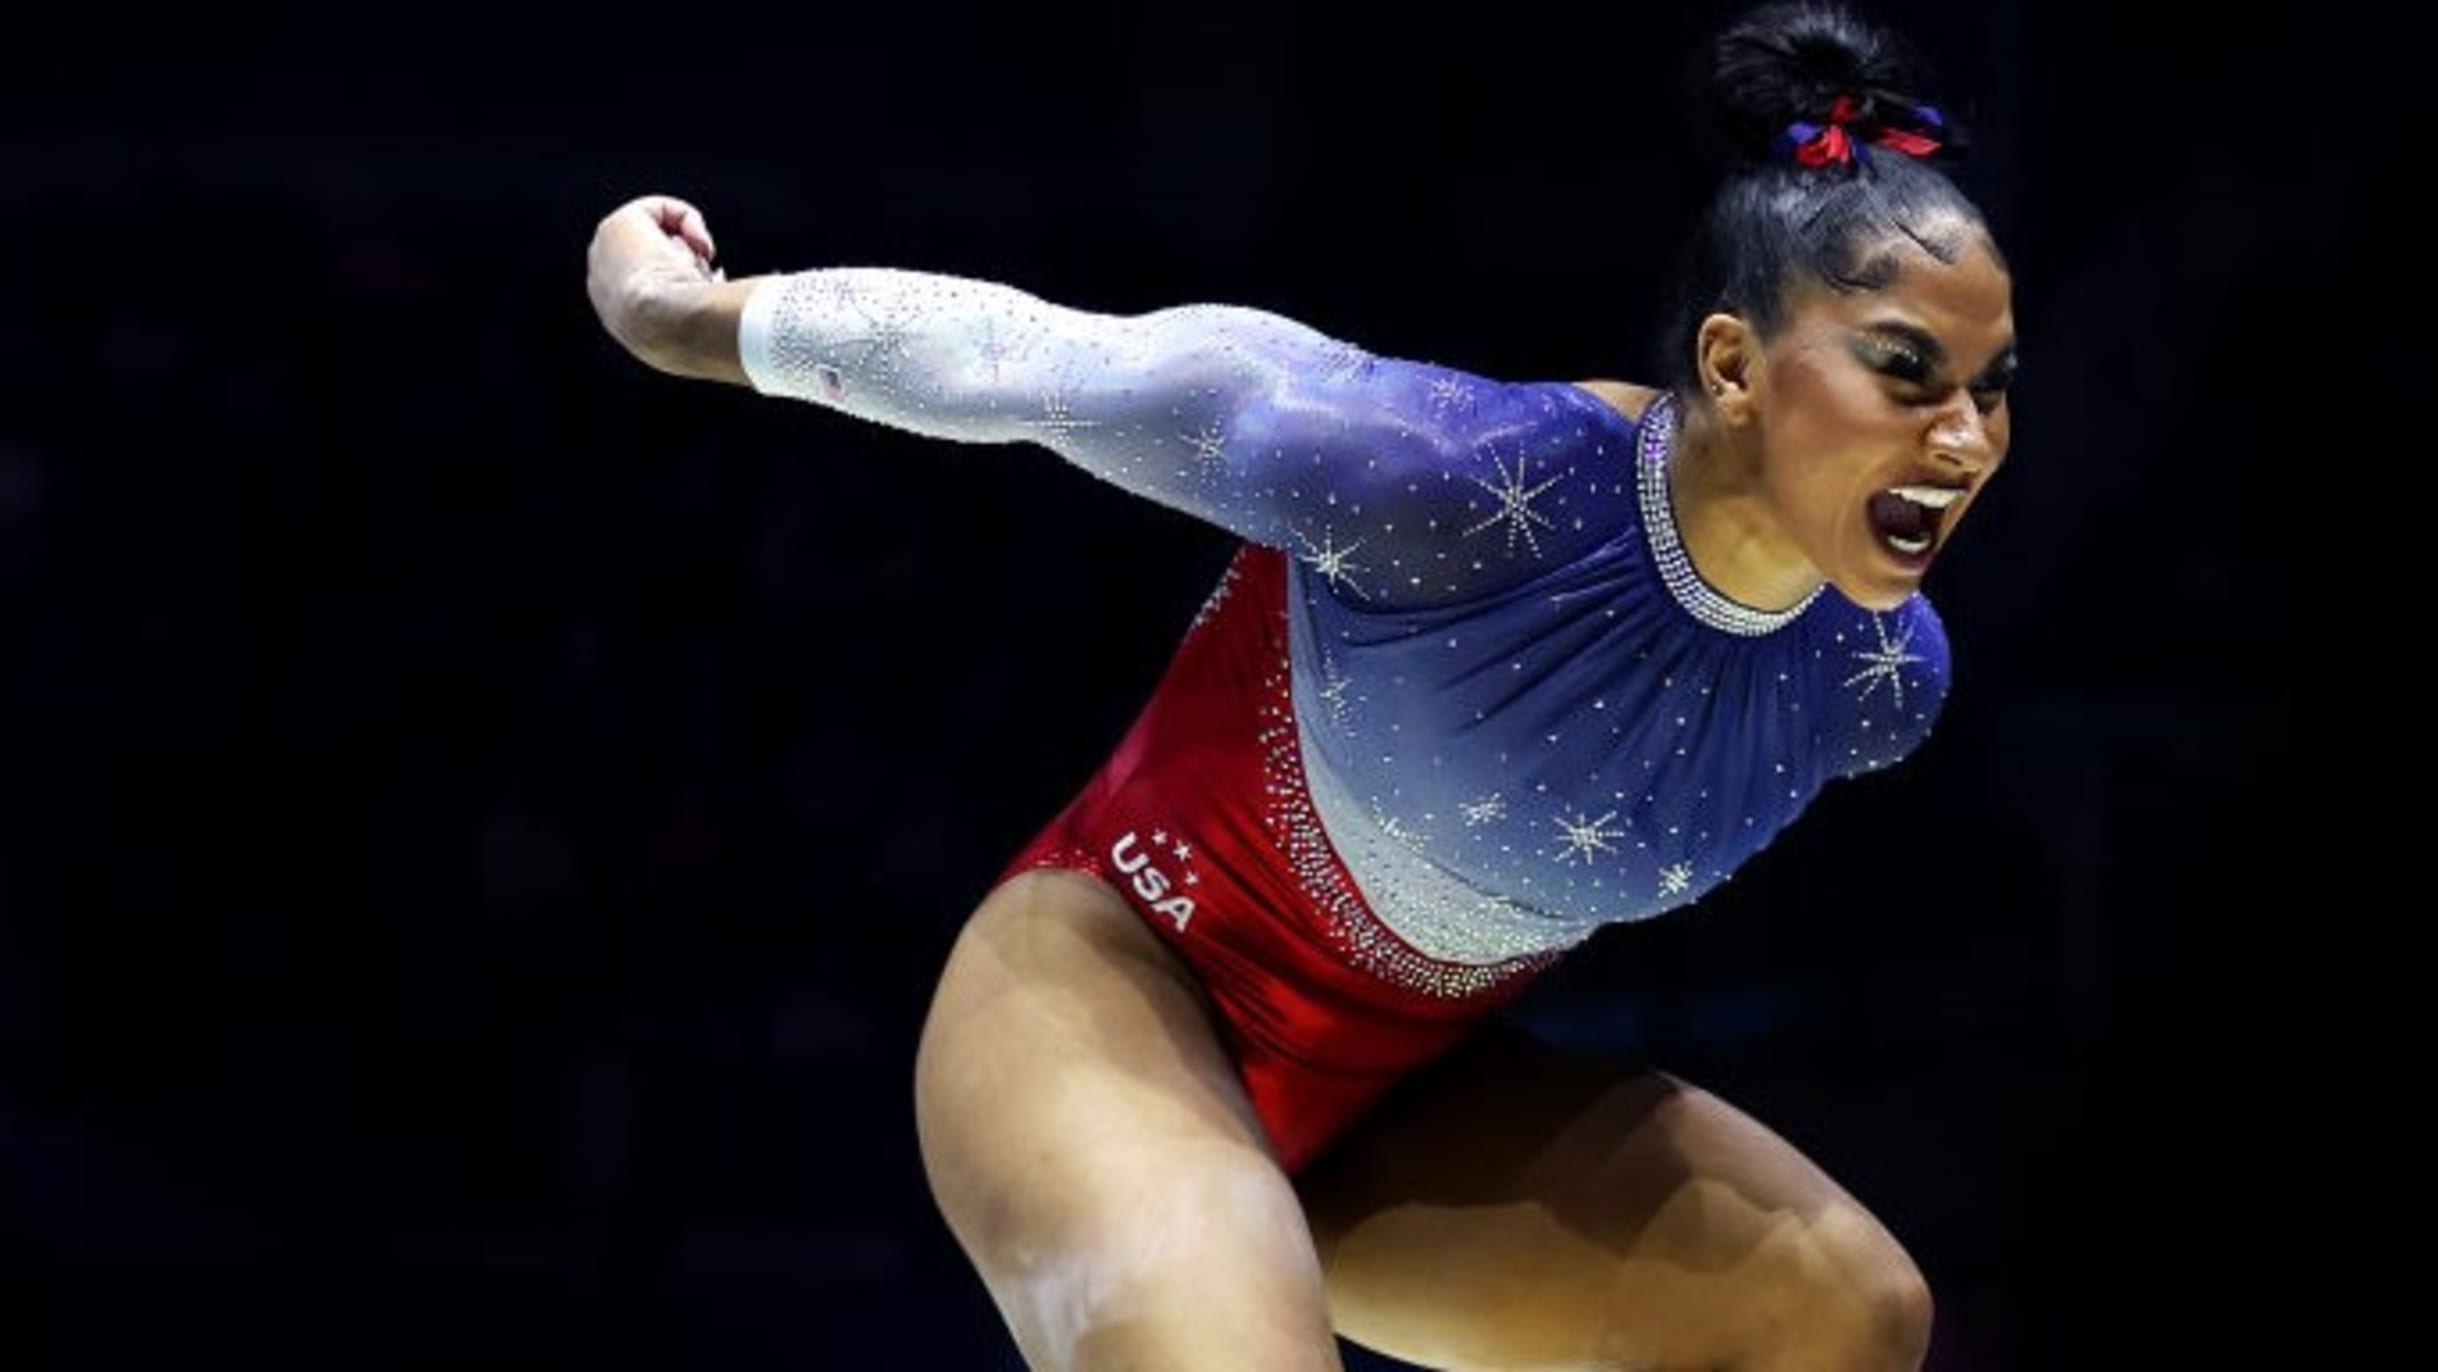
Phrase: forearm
pixel 691 330
pixel 951 357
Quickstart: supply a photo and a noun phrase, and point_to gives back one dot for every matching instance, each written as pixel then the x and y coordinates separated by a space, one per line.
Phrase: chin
pixel 1880 591
pixel 1883 576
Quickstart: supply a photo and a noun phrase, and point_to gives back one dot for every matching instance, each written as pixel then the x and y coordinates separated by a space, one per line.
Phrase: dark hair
pixel 1772 220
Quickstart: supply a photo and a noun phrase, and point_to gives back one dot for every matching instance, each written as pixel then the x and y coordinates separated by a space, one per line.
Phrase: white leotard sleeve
pixel 1251 421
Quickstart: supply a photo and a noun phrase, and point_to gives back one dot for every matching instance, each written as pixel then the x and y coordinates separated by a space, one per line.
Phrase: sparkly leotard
pixel 1461 699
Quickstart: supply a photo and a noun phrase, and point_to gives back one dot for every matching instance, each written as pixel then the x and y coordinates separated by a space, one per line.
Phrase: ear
pixel 1727 358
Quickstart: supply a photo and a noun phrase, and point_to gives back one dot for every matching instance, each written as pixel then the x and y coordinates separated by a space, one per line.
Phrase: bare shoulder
pixel 1624 397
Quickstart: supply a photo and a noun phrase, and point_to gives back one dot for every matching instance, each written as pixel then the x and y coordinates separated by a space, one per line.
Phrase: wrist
pixel 689 328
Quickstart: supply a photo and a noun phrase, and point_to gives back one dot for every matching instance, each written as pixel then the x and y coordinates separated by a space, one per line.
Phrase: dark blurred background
pixel 478 819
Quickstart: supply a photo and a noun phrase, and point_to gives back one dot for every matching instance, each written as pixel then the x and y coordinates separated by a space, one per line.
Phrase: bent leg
pixel 1089 1146
pixel 1515 1208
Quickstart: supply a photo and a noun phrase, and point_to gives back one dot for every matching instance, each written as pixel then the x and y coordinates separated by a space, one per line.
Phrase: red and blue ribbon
pixel 1819 144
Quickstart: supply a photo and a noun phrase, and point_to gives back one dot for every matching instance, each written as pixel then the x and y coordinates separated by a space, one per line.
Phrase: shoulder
pixel 1624 397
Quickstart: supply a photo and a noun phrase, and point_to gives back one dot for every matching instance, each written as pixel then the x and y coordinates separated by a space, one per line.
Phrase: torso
pixel 1599 741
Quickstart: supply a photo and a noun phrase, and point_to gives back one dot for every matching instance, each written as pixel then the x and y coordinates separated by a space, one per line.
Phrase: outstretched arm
pixel 1241 417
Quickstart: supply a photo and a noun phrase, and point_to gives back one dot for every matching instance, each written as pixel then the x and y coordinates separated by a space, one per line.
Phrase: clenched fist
pixel 650 275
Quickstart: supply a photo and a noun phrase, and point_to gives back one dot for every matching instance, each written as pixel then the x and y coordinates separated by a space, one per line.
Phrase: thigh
pixel 1517 1207
pixel 1088 1144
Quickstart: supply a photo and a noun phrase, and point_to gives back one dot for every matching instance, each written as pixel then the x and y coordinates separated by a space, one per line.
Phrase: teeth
pixel 1909 546
pixel 1933 497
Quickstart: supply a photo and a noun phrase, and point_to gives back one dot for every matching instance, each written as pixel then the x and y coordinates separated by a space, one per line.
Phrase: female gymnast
pixel 1496 664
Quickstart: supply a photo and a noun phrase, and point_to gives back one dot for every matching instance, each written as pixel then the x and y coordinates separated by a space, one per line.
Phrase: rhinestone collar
pixel 1651 452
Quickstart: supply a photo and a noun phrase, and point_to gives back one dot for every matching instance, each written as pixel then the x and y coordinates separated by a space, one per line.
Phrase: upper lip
pixel 1937 495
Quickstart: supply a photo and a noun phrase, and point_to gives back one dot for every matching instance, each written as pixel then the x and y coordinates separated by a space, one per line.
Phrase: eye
pixel 1905 365
pixel 1991 390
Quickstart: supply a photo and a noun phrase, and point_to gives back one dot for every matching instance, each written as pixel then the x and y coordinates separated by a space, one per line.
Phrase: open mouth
pixel 1906 518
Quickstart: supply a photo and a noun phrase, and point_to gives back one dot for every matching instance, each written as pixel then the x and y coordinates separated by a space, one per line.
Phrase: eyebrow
pixel 1935 355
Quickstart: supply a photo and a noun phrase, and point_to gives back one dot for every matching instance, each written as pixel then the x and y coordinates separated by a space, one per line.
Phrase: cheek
pixel 1799 386
pixel 1827 405
pixel 1828 430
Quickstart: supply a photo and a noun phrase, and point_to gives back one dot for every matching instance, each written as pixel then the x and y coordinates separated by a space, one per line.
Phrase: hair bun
pixel 1781 64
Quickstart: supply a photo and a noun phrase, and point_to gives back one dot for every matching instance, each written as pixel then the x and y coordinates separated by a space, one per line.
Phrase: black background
pixel 478 819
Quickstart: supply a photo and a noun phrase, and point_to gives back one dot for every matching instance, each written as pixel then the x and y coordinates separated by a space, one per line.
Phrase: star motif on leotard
pixel 1059 417
pixel 1484 811
pixel 882 347
pixel 1675 879
pixel 1881 664
pixel 1210 445
pixel 1334 563
pixel 1584 837
pixel 1448 393
pixel 1514 505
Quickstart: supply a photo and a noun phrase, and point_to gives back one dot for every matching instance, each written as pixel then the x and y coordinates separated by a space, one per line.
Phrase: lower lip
pixel 1911 562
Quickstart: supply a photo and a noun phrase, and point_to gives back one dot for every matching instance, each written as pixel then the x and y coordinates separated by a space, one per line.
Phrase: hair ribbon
pixel 1818 144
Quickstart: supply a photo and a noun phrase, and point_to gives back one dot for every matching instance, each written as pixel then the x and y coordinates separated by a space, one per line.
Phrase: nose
pixel 1959 437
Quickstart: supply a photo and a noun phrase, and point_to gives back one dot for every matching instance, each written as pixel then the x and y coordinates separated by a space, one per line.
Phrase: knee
pixel 1862 1295
pixel 1895 1314
pixel 1156 1276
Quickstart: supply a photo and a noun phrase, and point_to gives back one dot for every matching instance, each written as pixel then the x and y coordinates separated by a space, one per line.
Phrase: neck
pixel 1725 520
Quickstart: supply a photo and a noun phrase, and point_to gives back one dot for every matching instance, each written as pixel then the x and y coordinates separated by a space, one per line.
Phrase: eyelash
pixel 1907 368
pixel 1912 371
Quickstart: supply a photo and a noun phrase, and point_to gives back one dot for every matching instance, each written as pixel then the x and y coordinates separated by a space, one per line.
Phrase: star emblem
pixel 1334 563
pixel 1882 663
pixel 1515 510
pixel 1584 837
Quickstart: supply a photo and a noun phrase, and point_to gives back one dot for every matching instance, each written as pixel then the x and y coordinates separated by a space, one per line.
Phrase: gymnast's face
pixel 1881 414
